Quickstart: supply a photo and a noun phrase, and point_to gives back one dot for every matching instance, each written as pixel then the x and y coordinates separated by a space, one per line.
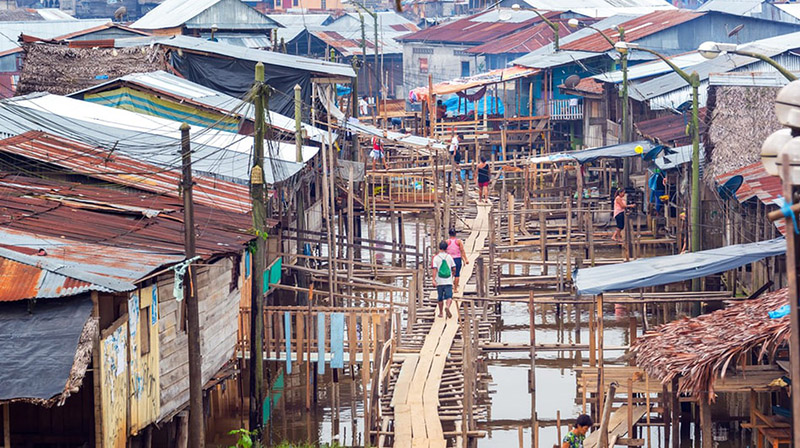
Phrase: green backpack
pixel 444 269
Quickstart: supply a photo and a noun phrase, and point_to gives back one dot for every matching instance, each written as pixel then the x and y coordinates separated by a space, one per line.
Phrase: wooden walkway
pixel 416 393
pixel 617 426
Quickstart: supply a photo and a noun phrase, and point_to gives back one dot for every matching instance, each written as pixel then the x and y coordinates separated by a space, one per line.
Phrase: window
pixel 423 65
pixel 464 68
pixel 323 4
pixel 295 2
pixel 144 330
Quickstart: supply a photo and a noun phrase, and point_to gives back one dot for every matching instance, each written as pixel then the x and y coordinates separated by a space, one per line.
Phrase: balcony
pixel 565 110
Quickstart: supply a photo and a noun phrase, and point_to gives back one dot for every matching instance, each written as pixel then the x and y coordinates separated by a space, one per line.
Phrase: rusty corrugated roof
pixel 100 163
pixel 478 29
pixel 115 219
pixel 670 130
pixel 759 184
pixel 635 29
pixel 525 40
pixel 347 47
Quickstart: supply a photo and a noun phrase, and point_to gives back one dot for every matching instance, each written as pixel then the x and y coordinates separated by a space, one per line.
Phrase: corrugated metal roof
pixel 759 184
pixel 524 41
pixel 104 27
pixel 748 79
pixel 100 163
pixel 189 92
pixel 635 29
pixel 48 29
pixel 294 24
pixel 480 28
pixel 267 57
pixel 653 68
pixel 670 90
pixel 218 154
pixel 793 9
pixel 670 130
pixel 225 14
pixel 682 156
pixel 535 60
pixel 54 14
pixel 569 5
pixel 99 227
pixel 738 7
pixel 549 51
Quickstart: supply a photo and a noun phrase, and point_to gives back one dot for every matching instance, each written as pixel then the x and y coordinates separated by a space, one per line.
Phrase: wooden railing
pixel 398 188
pixel 563 110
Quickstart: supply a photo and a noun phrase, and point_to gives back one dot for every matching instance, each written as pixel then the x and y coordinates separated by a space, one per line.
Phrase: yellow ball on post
pixel 638 149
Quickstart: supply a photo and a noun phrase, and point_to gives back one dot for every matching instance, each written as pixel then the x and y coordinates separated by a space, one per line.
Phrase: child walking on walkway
pixel 443 266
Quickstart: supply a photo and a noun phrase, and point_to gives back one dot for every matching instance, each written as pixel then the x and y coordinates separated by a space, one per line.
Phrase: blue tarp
pixel 452 106
pixel 673 268
pixel 619 151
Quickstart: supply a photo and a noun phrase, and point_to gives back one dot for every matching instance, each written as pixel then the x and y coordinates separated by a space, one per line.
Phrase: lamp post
pixel 693 80
pixel 711 50
pixel 374 16
pixel 780 155
pixel 623 62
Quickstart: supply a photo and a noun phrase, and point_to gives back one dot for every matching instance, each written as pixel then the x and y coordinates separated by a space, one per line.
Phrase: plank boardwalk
pixel 416 394
pixel 617 425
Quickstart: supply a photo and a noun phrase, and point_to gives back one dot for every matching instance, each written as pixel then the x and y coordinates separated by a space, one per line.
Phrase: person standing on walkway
pixel 442 266
pixel 455 248
pixel 484 176
pixel 620 206
pixel 377 153
pixel 575 438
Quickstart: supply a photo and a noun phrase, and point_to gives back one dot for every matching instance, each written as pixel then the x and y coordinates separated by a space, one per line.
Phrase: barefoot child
pixel 455 247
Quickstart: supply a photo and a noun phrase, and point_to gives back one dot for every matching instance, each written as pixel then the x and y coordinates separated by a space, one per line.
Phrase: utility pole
pixel 298 122
pixel 694 80
pixel 259 259
pixel 197 432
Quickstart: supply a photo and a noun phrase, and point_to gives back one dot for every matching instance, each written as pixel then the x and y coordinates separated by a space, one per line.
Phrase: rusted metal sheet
pixel 20 281
pixel 103 164
pixel 635 29
pixel 670 130
pixel 759 184
pixel 479 28
pixel 525 41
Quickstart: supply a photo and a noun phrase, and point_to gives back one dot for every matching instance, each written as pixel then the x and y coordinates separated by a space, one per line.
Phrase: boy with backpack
pixel 443 266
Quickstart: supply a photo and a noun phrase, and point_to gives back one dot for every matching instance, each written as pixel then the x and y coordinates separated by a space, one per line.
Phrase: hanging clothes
pixel 321 343
pixel 337 340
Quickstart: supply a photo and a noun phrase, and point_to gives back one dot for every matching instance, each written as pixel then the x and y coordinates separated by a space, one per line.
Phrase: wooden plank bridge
pixel 416 392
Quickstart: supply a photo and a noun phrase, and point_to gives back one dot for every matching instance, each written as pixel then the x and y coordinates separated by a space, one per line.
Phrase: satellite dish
pixel 729 188
pixel 572 81
pixel 120 13
pixel 736 30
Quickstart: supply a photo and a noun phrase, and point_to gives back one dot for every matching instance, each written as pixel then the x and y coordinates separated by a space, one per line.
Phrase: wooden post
pixel 705 420
pixel 590 237
pixel 675 407
pixel 532 372
pixel 511 222
pixel 630 407
pixel 606 416
pixel 7 425
pixel 666 413
pixel 600 355
pixel 543 239
pixel 569 239
pixel 647 401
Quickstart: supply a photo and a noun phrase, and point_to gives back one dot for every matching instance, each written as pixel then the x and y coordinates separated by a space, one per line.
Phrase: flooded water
pixel 338 414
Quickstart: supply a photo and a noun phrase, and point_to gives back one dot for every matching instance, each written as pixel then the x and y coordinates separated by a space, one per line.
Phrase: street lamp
pixel 693 80
pixel 374 16
pixel 623 62
pixel 553 26
pixel 711 50
pixel 783 146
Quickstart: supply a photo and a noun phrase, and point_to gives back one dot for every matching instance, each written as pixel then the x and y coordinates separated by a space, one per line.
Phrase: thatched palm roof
pixel 701 349
pixel 739 120
pixel 61 70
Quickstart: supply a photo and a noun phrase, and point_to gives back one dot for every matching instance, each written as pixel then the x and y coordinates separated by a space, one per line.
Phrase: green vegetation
pixel 247 440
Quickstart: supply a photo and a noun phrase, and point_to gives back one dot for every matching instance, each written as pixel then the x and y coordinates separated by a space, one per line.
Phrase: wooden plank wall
pixel 218 322
pixel 144 361
pixel 114 378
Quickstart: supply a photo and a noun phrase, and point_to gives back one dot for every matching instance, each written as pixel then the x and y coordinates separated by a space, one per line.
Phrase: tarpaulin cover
pixel 37 349
pixel 235 77
pixel 453 107
pixel 673 268
pixel 619 151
